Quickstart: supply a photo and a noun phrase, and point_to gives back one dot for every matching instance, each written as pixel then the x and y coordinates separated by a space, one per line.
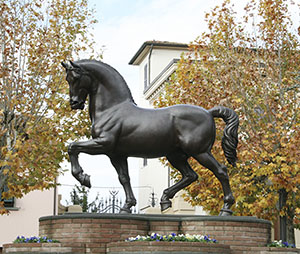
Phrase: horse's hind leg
pixel 179 161
pixel 120 164
pixel 220 171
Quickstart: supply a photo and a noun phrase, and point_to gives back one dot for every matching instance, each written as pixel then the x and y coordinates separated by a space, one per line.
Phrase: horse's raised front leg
pixel 179 161
pixel 77 171
pixel 220 171
pixel 120 164
pixel 94 146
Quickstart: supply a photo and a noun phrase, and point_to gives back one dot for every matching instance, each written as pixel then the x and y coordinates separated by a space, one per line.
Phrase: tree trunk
pixel 283 219
pixel 286 222
pixel 290 227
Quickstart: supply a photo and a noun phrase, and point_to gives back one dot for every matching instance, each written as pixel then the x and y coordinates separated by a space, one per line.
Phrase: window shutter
pixel 7 202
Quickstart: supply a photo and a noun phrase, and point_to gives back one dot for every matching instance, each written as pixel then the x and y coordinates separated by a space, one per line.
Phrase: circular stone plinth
pixel 94 231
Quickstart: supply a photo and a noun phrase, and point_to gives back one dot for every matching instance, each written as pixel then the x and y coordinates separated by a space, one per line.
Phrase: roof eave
pixel 137 58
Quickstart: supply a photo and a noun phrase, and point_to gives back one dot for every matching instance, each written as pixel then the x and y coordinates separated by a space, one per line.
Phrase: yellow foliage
pixel 256 74
pixel 33 95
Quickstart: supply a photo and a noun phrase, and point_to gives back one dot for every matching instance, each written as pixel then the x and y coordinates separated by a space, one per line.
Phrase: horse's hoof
pixel 164 205
pixel 86 181
pixel 225 212
pixel 125 211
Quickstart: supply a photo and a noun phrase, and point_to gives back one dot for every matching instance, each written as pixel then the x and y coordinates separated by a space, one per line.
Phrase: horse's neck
pixel 112 86
pixel 96 107
pixel 108 90
pixel 100 102
pixel 92 111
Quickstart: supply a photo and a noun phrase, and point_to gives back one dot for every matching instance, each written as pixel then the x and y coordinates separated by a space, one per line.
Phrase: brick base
pixel 91 233
pixel 144 248
pixel 263 250
pixel 24 248
pixel 166 247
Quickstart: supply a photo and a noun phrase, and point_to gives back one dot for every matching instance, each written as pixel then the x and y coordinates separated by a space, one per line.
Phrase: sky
pixel 123 26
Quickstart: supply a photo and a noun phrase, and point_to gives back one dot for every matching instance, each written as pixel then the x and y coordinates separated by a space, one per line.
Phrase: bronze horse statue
pixel 121 129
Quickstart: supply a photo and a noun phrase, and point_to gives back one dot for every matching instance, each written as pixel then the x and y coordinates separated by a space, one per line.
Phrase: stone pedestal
pixel 103 233
pixel 92 232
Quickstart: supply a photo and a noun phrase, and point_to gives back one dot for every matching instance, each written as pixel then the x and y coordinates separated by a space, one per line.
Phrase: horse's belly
pixel 147 143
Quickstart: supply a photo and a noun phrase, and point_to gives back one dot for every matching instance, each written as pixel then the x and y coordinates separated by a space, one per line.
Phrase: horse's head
pixel 79 84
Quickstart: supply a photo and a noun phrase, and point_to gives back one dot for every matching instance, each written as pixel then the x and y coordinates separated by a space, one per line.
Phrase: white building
pixel 23 219
pixel 157 61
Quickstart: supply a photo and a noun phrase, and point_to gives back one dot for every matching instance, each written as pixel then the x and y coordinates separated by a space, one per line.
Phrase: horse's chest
pixel 104 128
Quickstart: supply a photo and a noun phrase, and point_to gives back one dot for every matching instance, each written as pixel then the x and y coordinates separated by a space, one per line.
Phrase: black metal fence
pixel 111 204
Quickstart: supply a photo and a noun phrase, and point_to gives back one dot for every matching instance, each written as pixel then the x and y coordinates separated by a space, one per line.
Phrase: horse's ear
pixel 76 69
pixel 64 65
pixel 75 66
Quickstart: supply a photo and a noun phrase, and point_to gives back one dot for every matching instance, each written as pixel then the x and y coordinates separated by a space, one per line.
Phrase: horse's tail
pixel 230 135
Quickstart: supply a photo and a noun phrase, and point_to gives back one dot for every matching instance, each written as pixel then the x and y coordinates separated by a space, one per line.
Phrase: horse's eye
pixel 70 78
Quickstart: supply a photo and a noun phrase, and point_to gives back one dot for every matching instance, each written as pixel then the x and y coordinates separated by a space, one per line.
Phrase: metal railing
pixel 112 204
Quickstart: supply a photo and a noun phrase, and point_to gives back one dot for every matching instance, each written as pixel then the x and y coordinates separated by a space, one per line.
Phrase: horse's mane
pixel 100 63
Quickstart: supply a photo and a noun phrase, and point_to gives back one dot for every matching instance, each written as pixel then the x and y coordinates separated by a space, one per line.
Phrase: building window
pixel 8 203
pixel 145 76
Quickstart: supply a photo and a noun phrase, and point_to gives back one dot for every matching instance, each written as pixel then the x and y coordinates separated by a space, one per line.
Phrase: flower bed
pixel 170 243
pixel 34 239
pixel 163 247
pixel 281 244
pixel 265 250
pixel 35 244
pixel 172 238
pixel 21 248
